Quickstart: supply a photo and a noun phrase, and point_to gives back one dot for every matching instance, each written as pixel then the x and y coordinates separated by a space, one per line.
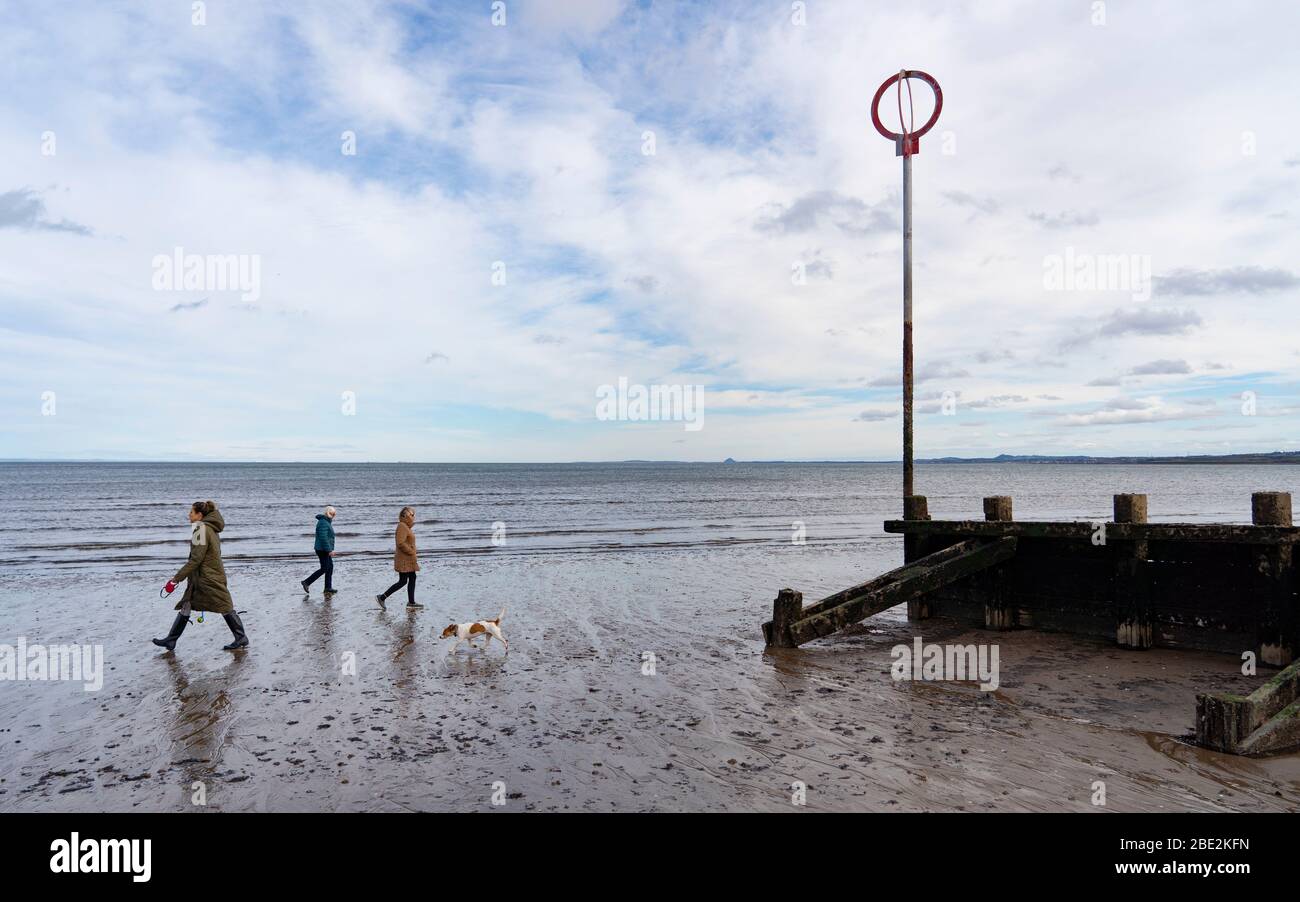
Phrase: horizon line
pixel 1004 456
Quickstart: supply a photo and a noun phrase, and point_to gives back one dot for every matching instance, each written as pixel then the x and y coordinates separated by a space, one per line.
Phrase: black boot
pixel 236 627
pixel 178 627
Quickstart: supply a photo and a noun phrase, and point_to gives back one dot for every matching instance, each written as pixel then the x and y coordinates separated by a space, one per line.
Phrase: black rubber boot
pixel 236 627
pixel 178 627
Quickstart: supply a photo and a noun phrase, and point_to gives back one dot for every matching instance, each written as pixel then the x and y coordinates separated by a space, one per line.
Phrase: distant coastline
pixel 1263 457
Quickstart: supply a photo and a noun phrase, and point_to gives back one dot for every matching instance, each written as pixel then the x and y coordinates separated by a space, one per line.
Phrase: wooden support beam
pixel 1279 733
pixel 916 507
pixel 999 613
pixel 1273 585
pixel 997 507
pixel 876 583
pixel 1270 508
pixel 785 610
pixel 1222 721
pixel 1229 533
pixel 922 576
pixel 790 613
pixel 1273 582
pixel 1130 508
pixel 915 547
pixel 1132 587
pixel 1267 720
pixel 1217 586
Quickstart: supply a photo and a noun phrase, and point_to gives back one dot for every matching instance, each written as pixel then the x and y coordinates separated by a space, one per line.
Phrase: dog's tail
pixel 499 616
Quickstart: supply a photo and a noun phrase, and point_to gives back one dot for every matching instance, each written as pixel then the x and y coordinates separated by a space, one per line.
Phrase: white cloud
pixel 479 145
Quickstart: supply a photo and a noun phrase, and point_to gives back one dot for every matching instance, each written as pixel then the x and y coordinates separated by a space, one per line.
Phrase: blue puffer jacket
pixel 324 533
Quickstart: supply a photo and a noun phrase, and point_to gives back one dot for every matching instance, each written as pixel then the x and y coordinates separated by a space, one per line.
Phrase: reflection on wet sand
pixel 200 717
pixel 472 665
pixel 404 661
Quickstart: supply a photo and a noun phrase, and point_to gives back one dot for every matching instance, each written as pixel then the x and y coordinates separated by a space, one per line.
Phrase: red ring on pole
pixel 907 143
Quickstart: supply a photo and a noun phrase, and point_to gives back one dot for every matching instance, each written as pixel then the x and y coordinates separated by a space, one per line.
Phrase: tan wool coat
pixel 404 558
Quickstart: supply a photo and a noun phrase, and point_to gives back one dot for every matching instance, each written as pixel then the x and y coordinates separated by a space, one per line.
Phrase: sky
pixel 460 225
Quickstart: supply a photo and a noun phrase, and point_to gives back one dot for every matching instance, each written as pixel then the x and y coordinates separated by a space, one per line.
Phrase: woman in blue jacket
pixel 325 552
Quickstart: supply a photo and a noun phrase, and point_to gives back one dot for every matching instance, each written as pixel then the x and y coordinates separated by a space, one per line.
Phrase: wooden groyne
pixel 1215 587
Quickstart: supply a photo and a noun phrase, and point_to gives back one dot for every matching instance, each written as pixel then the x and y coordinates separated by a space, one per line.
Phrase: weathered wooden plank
pixel 879 582
pixel 1278 734
pixel 917 546
pixel 925 575
pixel 773 635
pixel 1273 583
pixel 1130 508
pixel 785 611
pixel 998 507
pixel 999 611
pixel 1267 720
pixel 1270 508
pixel 1131 587
pixel 1081 529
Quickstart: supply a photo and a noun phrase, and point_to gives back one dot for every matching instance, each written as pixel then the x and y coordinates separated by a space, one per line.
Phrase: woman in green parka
pixel 205 576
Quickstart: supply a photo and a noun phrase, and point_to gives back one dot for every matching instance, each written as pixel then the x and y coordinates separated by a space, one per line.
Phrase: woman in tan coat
pixel 404 560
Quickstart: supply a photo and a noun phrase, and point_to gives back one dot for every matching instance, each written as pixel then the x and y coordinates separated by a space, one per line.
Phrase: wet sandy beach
pixel 572 719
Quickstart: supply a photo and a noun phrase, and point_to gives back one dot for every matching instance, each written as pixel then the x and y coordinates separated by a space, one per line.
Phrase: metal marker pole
pixel 906 144
pixel 907 327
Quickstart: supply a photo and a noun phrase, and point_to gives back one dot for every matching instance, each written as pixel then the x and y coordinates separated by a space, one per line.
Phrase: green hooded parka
pixel 206 588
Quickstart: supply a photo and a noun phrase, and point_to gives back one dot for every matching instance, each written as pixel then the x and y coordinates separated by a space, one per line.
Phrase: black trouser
pixel 406 579
pixel 327 568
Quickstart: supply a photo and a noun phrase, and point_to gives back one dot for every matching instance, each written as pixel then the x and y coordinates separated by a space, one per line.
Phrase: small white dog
pixel 468 632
